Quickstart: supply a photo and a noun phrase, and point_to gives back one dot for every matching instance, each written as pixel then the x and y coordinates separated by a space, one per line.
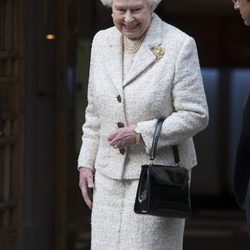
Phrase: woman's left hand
pixel 123 137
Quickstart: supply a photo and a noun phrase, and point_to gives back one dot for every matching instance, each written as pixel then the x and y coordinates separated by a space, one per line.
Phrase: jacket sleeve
pixel 90 137
pixel 242 163
pixel 190 111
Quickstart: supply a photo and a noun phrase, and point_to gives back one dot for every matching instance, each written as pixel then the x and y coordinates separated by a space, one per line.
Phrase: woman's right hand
pixel 86 183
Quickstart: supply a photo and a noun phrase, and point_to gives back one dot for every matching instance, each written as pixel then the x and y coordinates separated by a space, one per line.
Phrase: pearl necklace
pixel 131 46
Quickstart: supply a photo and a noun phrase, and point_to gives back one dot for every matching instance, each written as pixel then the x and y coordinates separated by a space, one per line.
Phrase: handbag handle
pixel 156 136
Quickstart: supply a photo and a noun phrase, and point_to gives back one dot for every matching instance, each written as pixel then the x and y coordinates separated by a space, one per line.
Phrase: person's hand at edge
pixel 86 184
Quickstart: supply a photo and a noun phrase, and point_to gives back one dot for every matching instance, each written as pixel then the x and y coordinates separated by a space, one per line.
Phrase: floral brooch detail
pixel 158 51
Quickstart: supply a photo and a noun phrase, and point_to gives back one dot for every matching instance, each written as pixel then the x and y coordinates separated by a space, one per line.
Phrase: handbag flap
pixel 169 175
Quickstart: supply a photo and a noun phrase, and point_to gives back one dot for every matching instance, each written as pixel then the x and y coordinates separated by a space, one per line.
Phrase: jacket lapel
pixel 145 57
pixel 142 60
pixel 113 59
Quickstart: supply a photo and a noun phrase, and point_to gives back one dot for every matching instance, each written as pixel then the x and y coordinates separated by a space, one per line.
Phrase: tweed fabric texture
pixel 154 87
pixel 115 226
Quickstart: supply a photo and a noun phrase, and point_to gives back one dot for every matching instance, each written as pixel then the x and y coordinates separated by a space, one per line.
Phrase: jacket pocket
pixel 103 154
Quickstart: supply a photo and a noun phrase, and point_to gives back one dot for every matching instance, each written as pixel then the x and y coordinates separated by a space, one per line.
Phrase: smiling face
pixel 243 6
pixel 132 17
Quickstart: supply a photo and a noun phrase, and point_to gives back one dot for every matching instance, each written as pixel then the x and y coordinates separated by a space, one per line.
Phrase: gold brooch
pixel 158 51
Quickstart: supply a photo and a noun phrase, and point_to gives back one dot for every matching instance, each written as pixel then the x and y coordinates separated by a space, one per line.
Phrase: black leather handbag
pixel 163 190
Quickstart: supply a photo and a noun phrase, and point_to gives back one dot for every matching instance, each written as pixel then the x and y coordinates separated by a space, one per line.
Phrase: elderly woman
pixel 141 69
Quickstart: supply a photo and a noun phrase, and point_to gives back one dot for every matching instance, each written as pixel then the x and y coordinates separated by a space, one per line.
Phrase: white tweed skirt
pixel 115 226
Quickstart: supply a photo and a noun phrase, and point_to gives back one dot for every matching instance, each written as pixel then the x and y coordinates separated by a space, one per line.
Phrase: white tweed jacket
pixel 170 87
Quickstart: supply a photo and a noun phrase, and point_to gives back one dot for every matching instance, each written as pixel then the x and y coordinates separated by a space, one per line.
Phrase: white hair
pixel 153 3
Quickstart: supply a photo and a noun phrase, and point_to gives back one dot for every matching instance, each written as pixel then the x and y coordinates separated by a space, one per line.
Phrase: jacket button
pixel 120 125
pixel 119 99
pixel 122 151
